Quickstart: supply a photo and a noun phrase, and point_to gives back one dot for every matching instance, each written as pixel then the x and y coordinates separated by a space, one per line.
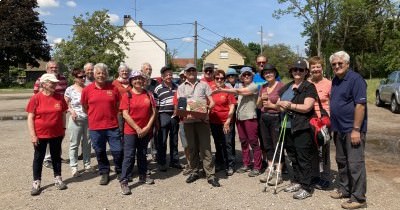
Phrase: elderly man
pixel 169 123
pixel 88 68
pixel 151 83
pixel 198 131
pixel 261 61
pixel 52 68
pixel 349 123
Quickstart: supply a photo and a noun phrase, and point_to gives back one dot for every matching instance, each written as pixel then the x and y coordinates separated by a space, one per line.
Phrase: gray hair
pixel 51 61
pixel 101 67
pixel 340 54
pixel 144 65
pixel 123 66
pixel 87 65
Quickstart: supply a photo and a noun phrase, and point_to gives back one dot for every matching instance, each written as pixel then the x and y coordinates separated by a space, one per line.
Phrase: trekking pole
pixel 282 140
pixel 283 126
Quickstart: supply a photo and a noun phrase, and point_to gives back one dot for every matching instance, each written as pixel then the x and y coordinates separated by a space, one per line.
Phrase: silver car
pixel 389 92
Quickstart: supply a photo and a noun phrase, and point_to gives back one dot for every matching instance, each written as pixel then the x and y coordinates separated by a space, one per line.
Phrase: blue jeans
pixel 133 145
pixel 99 143
pixel 168 127
pixel 224 147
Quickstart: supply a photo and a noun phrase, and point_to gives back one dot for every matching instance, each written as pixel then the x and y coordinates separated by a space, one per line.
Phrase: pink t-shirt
pixel 324 93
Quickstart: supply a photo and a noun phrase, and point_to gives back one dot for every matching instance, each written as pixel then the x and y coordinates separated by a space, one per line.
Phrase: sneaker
pixel 301 194
pixel 337 194
pixel 162 168
pixel 254 173
pixel 230 171
pixel 176 165
pixel 75 172
pixel 293 187
pixel 265 178
pixel 90 169
pixel 125 190
pixel 48 164
pixel 353 204
pixel 105 178
pixel 187 171
pixel 144 179
pixel 35 188
pixel 276 179
pixel 59 184
pixel 243 169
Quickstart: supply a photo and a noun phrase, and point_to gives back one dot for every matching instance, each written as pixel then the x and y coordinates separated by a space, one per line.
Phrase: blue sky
pixel 230 18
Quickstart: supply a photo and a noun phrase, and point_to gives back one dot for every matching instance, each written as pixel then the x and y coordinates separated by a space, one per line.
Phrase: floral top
pixel 75 102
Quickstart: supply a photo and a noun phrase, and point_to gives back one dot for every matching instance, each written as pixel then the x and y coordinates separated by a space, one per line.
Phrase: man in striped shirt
pixel 169 123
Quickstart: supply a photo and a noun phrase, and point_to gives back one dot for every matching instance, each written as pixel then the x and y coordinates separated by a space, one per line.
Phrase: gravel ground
pixel 170 190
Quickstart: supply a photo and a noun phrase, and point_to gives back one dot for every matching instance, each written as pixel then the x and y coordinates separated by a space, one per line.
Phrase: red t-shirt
pixel 122 90
pixel 219 113
pixel 140 109
pixel 48 111
pixel 210 83
pixel 102 105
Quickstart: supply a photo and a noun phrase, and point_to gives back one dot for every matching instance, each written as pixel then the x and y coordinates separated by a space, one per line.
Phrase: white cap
pixel 48 77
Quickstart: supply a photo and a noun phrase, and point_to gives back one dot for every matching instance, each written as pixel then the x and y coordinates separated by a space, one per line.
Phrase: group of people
pixel 134 108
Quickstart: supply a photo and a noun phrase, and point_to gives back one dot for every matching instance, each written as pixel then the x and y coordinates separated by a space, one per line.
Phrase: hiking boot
pixel 144 179
pixel 254 173
pixel 293 187
pixel 59 184
pixel 243 169
pixel 230 171
pixel 35 188
pixel 48 164
pixel 105 178
pixel 353 204
pixel 214 182
pixel 176 165
pixel 125 190
pixel 193 177
pixel 301 194
pixel 337 194
pixel 265 178
pixel 275 179
pixel 75 172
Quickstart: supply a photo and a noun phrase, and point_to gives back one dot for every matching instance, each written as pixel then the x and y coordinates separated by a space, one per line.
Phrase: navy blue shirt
pixel 345 94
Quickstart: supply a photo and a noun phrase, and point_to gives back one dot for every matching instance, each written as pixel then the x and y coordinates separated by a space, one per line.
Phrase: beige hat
pixel 48 77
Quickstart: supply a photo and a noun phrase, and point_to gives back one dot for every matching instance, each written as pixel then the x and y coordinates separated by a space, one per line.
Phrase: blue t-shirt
pixel 258 80
pixel 288 95
pixel 345 94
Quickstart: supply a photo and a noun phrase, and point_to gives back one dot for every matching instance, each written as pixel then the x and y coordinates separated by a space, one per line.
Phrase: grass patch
pixel 372 85
pixel 16 90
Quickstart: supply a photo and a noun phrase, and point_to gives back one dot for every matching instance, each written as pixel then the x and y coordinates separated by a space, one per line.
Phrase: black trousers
pixel 40 152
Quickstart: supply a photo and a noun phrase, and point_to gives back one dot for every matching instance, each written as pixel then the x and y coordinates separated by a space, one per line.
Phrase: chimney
pixel 140 23
pixel 126 19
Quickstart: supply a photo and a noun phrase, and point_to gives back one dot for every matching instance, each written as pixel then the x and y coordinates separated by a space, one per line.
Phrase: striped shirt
pixel 60 88
pixel 164 97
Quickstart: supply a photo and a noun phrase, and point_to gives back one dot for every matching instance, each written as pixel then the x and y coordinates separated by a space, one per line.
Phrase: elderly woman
pixel 221 125
pixel 100 100
pixel 323 87
pixel 77 123
pixel 297 100
pixel 139 111
pixel 46 124
pixel 270 121
pixel 246 122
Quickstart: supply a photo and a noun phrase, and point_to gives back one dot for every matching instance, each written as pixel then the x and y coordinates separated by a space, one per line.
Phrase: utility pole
pixel 135 9
pixel 261 43
pixel 195 43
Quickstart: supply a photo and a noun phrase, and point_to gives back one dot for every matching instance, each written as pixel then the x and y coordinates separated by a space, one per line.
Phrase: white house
pixel 144 47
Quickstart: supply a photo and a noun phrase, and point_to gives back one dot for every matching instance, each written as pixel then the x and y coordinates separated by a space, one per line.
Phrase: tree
pixel 22 36
pixel 94 40
pixel 238 45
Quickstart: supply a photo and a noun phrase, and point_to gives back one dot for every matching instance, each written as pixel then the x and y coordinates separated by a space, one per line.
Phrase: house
pixel 223 56
pixel 144 47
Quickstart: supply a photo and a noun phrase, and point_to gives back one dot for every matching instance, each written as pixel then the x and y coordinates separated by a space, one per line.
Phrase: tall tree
pixel 95 40
pixel 22 35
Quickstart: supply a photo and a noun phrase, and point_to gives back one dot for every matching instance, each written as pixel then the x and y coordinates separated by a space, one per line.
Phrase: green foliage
pixel 281 56
pixel 94 40
pixel 238 45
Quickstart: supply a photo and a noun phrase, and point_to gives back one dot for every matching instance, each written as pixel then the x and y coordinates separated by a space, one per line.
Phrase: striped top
pixel 60 88
pixel 164 97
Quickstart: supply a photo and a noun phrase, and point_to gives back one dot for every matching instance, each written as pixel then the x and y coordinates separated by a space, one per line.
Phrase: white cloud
pixel 71 4
pixel 48 3
pixel 270 35
pixel 57 40
pixel 187 39
pixel 113 18
pixel 43 12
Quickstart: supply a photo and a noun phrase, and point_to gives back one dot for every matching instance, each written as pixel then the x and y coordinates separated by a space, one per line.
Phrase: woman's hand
pixel 34 140
pixel 284 104
pixel 73 115
pixel 227 128
pixel 144 131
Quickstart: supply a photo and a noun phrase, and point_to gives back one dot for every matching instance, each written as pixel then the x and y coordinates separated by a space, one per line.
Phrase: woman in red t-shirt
pixel 221 125
pixel 139 110
pixel 46 124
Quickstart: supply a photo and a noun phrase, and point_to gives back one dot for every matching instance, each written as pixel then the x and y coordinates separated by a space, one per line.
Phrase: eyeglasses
pixel 81 77
pixel 247 75
pixel 261 62
pixel 335 64
pixel 297 70
pixel 219 78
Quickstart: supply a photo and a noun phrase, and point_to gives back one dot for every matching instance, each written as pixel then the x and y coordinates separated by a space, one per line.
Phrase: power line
pixel 149 25
pixel 204 27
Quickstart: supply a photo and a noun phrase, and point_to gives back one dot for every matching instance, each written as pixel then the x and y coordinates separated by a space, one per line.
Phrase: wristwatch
pixel 356 129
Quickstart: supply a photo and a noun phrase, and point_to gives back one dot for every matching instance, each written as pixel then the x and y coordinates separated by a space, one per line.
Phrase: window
pixel 223 55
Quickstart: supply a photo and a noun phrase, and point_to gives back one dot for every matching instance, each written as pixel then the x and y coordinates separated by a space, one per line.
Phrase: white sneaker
pixel 59 184
pixel 75 172
pixel 35 188
pixel 90 169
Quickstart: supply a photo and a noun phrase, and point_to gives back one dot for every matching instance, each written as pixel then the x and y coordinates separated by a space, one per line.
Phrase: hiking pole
pixel 283 123
pixel 280 154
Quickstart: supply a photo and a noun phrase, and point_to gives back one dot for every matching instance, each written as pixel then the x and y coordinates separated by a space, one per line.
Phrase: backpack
pixel 320 126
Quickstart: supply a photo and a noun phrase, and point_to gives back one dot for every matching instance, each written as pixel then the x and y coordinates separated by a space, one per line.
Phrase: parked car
pixel 389 92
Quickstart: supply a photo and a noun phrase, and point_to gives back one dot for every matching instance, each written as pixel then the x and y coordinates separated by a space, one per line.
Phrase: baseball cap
pixel 182 72
pixel 48 77
pixel 208 65
pixel 165 68
pixel 231 71
pixel 190 66
pixel 301 64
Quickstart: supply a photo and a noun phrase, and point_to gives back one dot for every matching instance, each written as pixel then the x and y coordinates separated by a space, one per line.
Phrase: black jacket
pixel 300 121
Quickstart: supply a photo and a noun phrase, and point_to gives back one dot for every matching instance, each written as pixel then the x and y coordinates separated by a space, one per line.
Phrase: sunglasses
pixel 190 70
pixel 208 70
pixel 261 62
pixel 247 75
pixel 297 70
pixel 340 64
pixel 219 78
pixel 81 77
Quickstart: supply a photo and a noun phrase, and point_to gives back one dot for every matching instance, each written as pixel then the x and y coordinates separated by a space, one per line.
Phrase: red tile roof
pixel 181 62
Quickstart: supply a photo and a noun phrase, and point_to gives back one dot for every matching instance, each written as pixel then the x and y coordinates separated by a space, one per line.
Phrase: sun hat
pixel 269 67
pixel 231 71
pixel 246 69
pixel 136 74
